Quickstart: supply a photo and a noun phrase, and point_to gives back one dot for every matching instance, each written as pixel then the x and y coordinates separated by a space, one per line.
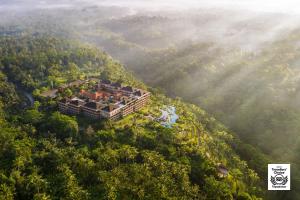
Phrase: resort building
pixel 106 100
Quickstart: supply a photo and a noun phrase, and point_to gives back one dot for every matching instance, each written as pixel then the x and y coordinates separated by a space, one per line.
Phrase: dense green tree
pixel 217 190
pixel 45 155
pixel 63 125
pixel 33 115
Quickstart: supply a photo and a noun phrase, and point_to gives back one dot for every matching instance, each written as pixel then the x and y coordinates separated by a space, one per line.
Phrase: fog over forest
pixel 269 18
pixel 237 59
pixel 280 6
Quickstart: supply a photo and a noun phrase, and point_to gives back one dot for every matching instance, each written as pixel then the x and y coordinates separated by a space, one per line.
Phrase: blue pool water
pixel 168 116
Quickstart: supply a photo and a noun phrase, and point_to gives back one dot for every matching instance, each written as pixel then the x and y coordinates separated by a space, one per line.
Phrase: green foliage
pixel 133 158
pixel 33 115
pixel 63 125
pixel 7 91
pixel 67 93
pixel 244 196
pixel 217 190
pixel 48 61
pixel 254 93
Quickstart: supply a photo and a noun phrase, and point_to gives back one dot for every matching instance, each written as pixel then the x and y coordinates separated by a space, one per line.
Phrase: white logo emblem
pixel 279 177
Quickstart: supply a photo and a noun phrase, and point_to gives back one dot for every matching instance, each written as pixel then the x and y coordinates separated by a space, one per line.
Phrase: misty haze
pixel 224 79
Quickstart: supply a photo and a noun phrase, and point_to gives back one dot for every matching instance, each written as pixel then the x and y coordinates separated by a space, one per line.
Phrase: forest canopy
pixel 47 155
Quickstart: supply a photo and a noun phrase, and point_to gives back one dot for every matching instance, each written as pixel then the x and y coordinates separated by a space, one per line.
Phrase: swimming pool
pixel 168 116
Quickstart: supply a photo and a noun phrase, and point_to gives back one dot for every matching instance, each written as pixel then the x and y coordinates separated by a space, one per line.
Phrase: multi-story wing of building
pixel 106 100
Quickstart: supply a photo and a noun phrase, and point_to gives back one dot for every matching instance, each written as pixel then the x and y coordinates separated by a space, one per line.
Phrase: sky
pixel 275 6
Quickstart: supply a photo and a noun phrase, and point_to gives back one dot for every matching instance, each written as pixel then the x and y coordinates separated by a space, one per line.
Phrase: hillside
pixel 48 155
pixel 253 93
pixel 242 68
